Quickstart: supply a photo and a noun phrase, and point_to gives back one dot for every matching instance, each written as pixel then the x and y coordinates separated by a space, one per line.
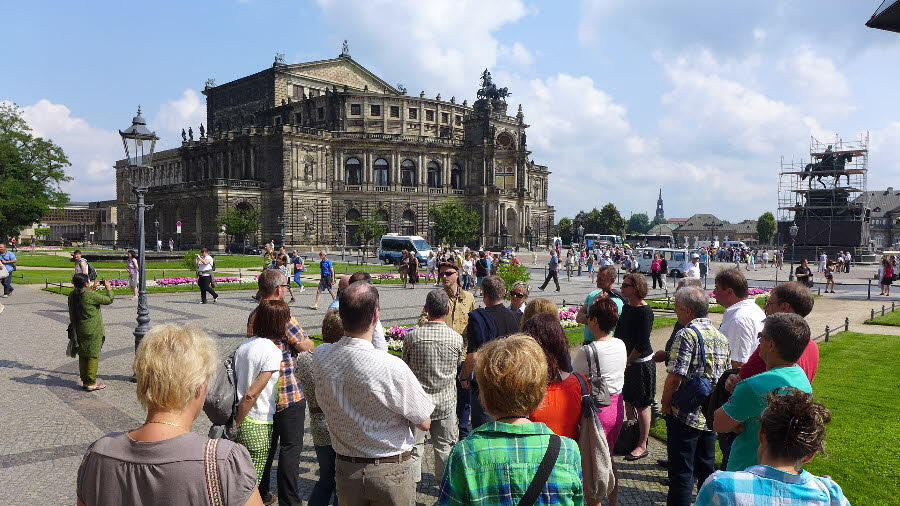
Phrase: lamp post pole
pixel 137 139
pixel 794 230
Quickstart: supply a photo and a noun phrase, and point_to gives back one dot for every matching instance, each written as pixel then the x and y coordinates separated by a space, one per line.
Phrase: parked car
pixel 678 260
pixel 243 249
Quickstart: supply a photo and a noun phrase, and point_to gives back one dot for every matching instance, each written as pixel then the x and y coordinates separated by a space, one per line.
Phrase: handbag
pixel 543 472
pixel 72 345
pixel 3 272
pixel 628 438
pixel 692 393
pixel 211 473
pixel 598 391
pixel 596 461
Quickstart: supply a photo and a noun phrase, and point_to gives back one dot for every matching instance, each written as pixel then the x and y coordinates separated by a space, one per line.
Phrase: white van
pixel 677 260
pixel 734 244
pixel 392 245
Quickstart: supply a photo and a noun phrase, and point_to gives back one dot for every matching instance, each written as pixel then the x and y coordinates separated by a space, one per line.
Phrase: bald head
pixel 358 307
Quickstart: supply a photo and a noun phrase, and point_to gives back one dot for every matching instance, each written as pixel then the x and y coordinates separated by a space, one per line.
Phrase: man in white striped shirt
pixel 371 401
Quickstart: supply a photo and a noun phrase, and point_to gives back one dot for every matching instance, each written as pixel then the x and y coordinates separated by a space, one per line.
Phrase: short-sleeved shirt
pixel 7 257
pixel 253 356
pixel 497 462
pixel 741 323
pixel 634 328
pixel 554 263
pixel 808 361
pixel 433 352
pixel 685 361
pixel 298 264
pixel 371 399
pixel 591 297
pixel 611 358
pixel 748 401
pixel 561 408
pixel 325 267
pixel 767 485
pixel 505 321
pixel 119 470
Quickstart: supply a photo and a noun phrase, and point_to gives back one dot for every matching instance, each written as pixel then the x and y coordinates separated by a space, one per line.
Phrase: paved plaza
pixel 47 421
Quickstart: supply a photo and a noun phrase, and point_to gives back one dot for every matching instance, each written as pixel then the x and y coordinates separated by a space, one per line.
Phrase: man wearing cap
pixel 694 270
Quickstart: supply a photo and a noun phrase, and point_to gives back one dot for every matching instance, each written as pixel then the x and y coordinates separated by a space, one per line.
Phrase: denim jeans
pixel 479 415
pixel 7 283
pixel 463 407
pixel 692 454
pixel 324 489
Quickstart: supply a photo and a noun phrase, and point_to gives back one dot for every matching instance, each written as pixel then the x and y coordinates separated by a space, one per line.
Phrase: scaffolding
pixel 826 195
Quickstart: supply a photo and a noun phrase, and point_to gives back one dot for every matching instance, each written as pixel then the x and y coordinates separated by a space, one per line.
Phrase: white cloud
pixel 759 34
pixel 444 43
pixel 188 110
pixel 517 54
pixel 92 151
pixel 817 81
pixel 592 15
pixel 884 157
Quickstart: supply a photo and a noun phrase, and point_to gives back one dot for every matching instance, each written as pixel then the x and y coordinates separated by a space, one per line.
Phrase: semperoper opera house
pixel 319 146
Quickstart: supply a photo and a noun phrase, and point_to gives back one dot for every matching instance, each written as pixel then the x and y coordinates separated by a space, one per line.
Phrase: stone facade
pixel 319 146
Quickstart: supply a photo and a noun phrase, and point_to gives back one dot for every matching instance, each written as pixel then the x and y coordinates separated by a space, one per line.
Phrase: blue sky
pixel 624 97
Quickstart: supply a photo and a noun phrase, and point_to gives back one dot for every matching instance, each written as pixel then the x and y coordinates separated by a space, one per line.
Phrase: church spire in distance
pixel 660 214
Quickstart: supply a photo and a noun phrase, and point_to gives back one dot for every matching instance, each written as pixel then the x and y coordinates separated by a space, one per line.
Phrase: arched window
pixel 456 177
pixel 408 223
pixel 352 225
pixel 434 175
pixel 408 173
pixel 381 172
pixel 353 171
pixel 381 216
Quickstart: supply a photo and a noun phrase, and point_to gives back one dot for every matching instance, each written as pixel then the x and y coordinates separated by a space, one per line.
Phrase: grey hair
pixel 693 299
pixel 521 284
pixel 270 280
pixel 437 303
pixel 685 282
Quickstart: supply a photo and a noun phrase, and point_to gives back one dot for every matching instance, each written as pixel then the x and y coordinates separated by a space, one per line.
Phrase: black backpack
pixel 91 273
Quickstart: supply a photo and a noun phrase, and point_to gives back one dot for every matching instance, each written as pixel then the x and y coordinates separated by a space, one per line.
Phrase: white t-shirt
pixel 205 269
pixel 741 324
pixel 467 267
pixel 693 271
pixel 611 357
pixel 255 355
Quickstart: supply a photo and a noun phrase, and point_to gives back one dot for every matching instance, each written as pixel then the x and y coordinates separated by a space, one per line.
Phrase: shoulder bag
pixel 211 472
pixel 72 346
pixel 596 460
pixel 3 272
pixel 695 391
pixel 598 391
pixel 543 472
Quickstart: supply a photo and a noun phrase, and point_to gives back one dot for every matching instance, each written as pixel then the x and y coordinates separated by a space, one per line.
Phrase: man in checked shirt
pixel 290 407
pixel 433 352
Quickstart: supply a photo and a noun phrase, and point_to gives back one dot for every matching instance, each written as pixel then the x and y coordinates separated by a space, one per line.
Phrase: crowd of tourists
pixel 510 414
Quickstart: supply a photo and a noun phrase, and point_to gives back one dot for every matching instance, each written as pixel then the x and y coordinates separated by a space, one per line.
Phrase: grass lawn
pixel 65 290
pixel 713 308
pixel 888 319
pixel 36 276
pixel 857 382
pixel 575 335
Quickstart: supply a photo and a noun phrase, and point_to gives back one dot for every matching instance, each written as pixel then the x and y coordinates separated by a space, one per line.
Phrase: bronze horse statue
pixel 829 163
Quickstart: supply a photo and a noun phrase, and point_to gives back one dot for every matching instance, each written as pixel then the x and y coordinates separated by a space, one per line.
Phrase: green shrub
pixel 512 273
pixel 189 260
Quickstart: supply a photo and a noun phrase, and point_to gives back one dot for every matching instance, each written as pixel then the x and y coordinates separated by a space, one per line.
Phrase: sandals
pixel 95 387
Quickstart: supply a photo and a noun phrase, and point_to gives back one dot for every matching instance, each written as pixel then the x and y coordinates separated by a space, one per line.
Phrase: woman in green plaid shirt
pixel 497 462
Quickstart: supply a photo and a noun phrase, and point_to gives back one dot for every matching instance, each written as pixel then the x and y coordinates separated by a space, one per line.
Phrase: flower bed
pixel 567 317
pixel 187 280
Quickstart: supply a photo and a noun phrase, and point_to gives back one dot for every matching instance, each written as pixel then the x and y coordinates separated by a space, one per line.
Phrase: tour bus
pixel 678 260
pixel 602 240
pixel 653 241
pixel 391 247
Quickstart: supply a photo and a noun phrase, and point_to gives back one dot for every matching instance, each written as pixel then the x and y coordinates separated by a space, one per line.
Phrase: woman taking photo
pixel 634 329
pixel 85 318
pixel 162 461
pixel 205 273
pixel 257 364
pixel 605 357
pixel 791 433
pixel 561 408
pixel 131 265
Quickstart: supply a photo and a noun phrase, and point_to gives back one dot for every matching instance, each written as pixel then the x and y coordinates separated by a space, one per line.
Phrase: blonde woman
pixel 162 461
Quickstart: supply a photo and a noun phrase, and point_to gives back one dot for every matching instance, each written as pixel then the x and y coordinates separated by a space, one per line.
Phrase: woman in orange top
pixel 561 407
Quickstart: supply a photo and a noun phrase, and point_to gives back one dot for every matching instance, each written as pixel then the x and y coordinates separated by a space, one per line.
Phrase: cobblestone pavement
pixel 47 421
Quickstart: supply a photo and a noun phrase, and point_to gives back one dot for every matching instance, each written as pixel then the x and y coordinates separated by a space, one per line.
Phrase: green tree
pixel 611 222
pixel 368 229
pixel 564 229
pixel 455 221
pixel 31 171
pixel 657 221
pixel 240 222
pixel 765 228
pixel 638 223
pixel 512 273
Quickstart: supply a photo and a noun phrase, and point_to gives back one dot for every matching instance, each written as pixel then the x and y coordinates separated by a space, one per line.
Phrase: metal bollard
pixel 869 295
pixel 827 333
pixel 847 324
pixel 873 314
pixel 882 310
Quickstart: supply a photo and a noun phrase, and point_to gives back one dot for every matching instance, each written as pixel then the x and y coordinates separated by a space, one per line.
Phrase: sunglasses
pixel 447 274
pixel 517 294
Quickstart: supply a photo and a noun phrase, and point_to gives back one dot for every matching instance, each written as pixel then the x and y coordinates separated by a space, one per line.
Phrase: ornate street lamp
pixel 156 224
pixel 794 230
pixel 139 143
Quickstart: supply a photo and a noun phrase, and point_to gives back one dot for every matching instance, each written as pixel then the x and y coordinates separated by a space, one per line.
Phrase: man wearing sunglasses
pixel 517 297
pixel 606 276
